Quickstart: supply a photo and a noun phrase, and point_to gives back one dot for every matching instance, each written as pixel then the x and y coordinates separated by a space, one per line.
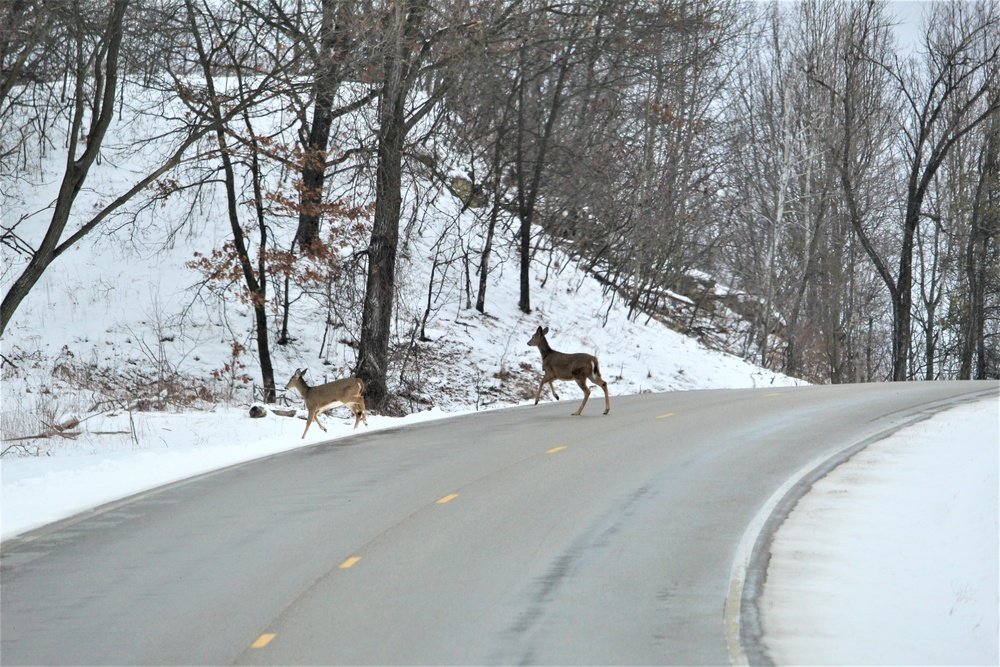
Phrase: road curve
pixel 516 536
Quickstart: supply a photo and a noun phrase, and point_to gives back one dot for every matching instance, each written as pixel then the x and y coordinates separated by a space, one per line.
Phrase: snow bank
pixel 42 489
pixel 893 558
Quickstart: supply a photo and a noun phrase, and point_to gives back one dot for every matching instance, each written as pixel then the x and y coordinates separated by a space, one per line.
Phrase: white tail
pixel 322 397
pixel 560 366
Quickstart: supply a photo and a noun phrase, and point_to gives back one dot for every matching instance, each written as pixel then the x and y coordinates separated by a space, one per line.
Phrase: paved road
pixel 516 536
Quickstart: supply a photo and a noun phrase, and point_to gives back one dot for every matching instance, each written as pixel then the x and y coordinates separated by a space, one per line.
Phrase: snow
pixel 893 557
pixel 41 489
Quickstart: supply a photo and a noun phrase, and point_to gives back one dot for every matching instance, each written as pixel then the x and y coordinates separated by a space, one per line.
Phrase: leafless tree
pixel 96 32
pixel 944 100
pixel 791 245
pixel 982 264
pixel 413 40
pixel 226 39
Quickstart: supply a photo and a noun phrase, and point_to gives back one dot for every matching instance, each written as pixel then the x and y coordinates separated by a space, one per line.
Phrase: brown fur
pixel 324 396
pixel 561 366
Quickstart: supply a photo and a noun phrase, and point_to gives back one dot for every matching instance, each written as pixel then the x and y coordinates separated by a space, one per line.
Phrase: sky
pixel 910 15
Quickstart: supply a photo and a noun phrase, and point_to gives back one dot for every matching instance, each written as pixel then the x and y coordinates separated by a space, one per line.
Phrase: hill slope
pixel 124 324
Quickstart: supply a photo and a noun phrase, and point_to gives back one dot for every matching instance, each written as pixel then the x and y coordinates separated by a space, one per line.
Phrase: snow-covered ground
pixel 38 490
pixel 893 558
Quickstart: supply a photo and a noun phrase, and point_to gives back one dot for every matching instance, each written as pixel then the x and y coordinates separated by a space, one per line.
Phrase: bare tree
pixel 942 103
pixel 404 49
pixel 330 57
pixel 792 244
pixel 982 260
pixel 95 79
pixel 94 37
pixel 225 42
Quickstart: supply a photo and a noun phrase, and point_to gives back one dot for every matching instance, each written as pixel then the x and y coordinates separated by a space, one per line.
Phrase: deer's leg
pixel 361 405
pixel 607 397
pixel 552 386
pixel 359 412
pixel 314 416
pixel 586 393
pixel 599 381
pixel 538 394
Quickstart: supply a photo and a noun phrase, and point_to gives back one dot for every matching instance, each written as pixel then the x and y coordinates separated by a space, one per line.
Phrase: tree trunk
pixel 334 45
pixel 484 262
pixel 376 318
pixel 984 211
pixel 528 191
pixel 260 297
pixel 255 284
pixel 902 307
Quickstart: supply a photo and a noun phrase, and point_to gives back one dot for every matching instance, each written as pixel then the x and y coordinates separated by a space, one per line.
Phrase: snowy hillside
pixel 123 326
pixel 113 326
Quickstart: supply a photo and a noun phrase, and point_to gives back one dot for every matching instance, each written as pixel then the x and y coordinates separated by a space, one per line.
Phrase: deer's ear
pixel 544 331
pixel 301 372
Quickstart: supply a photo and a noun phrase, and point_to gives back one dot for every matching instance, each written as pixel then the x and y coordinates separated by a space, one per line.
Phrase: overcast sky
pixel 910 14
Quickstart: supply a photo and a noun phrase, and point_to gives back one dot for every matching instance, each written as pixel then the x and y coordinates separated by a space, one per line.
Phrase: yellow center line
pixel 448 498
pixel 669 414
pixel 774 394
pixel 262 641
pixel 556 449
pixel 349 562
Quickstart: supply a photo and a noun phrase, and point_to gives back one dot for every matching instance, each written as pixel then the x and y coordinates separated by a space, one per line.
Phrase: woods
pixel 842 180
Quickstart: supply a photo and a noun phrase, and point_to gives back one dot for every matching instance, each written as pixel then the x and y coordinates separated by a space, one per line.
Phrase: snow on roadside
pixel 893 557
pixel 42 489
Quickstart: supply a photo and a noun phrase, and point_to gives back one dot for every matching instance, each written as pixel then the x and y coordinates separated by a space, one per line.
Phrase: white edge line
pixel 741 562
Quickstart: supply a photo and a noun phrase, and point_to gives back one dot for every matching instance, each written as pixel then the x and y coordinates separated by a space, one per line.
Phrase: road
pixel 518 536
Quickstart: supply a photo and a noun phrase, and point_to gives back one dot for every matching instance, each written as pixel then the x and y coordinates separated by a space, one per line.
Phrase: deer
pixel 347 391
pixel 561 366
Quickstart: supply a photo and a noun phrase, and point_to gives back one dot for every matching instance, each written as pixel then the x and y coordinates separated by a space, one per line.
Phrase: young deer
pixel 321 397
pixel 560 366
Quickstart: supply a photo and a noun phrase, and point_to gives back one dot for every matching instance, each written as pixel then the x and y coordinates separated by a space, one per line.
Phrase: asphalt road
pixel 519 536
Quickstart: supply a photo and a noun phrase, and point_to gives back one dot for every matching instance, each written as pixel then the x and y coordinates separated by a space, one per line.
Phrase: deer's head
pixel 296 378
pixel 539 337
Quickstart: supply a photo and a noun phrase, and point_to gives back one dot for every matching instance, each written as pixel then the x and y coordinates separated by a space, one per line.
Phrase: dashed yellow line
pixel 669 414
pixel 262 641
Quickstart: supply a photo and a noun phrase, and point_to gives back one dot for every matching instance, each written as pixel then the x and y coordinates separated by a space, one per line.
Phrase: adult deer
pixel 324 396
pixel 561 366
